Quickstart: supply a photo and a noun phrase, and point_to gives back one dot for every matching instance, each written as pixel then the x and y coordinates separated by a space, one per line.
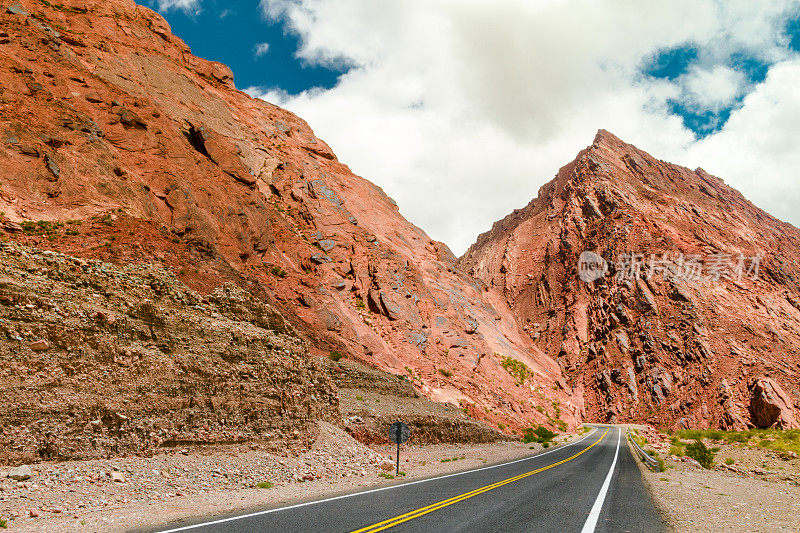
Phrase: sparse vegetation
pixel 781 441
pixel 446 373
pixel 278 271
pixel 729 461
pixel 700 453
pixel 360 303
pixel 386 475
pixel 41 228
pixel 539 434
pixel 360 398
pixel 335 355
pixel 516 368
pixel 265 485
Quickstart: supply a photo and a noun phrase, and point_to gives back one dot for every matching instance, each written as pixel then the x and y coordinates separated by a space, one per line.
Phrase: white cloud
pixel 260 49
pixel 462 109
pixel 756 151
pixel 712 89
pixel 189 6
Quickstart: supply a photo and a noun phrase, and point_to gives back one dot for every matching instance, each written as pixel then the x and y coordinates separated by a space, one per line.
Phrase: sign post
pixel 399 433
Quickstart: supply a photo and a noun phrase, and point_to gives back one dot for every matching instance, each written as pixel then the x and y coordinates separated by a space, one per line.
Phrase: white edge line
pixel 594 514
pixel 380 489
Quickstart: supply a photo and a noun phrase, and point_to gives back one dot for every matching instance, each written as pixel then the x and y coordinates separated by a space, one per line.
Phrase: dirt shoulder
pixel 758 491
pixel 141 493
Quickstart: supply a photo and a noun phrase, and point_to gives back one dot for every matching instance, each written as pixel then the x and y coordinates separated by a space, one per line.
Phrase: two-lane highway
pixel 592 484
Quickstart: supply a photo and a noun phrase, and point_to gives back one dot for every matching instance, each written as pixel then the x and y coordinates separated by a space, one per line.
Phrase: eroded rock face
pixel 771 406
pixel 111 122
pixel 129 360
pixel 690 345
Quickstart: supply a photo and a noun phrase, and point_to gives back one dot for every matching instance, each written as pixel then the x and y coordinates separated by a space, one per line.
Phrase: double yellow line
pixel 397 520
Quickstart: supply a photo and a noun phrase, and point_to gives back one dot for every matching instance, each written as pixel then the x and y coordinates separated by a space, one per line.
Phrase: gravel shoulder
pixel 725 499
pixel 144 493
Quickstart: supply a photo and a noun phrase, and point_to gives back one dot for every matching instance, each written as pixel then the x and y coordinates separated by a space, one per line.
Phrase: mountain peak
pixel 650 335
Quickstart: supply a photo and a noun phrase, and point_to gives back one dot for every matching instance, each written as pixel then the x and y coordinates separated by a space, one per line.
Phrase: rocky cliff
pixel 117 144
pixel 686 309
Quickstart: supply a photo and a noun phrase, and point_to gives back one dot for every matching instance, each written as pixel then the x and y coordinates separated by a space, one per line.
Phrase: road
pixel 592 484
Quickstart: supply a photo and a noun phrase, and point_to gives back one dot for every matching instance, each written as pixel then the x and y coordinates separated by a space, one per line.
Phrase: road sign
pixel 399 433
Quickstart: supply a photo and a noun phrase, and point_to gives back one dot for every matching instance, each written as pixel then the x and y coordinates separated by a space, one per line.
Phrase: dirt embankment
pixel 371 400
pixel 101 361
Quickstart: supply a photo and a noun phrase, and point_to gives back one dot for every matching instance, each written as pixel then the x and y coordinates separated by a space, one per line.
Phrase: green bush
pixel 335 355
pixel 516 368
pixel 539 434
pixel 729 461
pixel 700 453
pixel 265 485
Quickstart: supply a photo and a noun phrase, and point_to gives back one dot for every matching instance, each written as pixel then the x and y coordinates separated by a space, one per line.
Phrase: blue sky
pixel 230 32
pixel 462 110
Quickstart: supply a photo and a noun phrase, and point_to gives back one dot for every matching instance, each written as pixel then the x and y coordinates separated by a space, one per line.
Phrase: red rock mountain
pixel 118 144
pixel 650 340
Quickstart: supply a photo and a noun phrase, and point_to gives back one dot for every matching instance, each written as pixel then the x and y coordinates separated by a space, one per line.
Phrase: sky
pixel 461 109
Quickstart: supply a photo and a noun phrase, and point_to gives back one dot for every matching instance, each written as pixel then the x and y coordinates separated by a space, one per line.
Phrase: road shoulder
pixel 166 489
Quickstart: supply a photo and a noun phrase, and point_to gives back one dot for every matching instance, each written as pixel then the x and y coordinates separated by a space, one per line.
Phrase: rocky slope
pixel 100 361
pixel 651 339
pixel 117 144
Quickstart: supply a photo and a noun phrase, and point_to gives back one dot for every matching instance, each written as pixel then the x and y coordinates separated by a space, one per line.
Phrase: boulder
pixel 20 473
pixel 40 345
pixel 770 405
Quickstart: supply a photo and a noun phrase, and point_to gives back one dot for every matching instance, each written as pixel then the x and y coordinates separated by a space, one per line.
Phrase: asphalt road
pixel 593 484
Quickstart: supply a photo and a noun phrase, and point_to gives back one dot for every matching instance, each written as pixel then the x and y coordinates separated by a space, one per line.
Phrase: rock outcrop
pixel 660 291
pixel 117 144
pixel 101 361
pixel 771 406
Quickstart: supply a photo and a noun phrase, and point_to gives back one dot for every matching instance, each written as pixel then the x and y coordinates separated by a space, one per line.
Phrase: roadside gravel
pixel 140 493
pixel 693 499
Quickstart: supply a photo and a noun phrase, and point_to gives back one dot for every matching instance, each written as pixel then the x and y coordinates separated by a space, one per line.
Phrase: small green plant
pixel 446 373
pixel 265 485
pixel 501 426
pixel 386 475
pixel 545 444
pixel 700 453
pixel 729 461
pixel 518 370
pixel 278 271
pixel 360 303
pixel 335 355
pixel 360 398
pixel 3 523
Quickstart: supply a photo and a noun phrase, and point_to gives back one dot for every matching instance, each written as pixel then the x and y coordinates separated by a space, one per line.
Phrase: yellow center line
pixel 386 524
